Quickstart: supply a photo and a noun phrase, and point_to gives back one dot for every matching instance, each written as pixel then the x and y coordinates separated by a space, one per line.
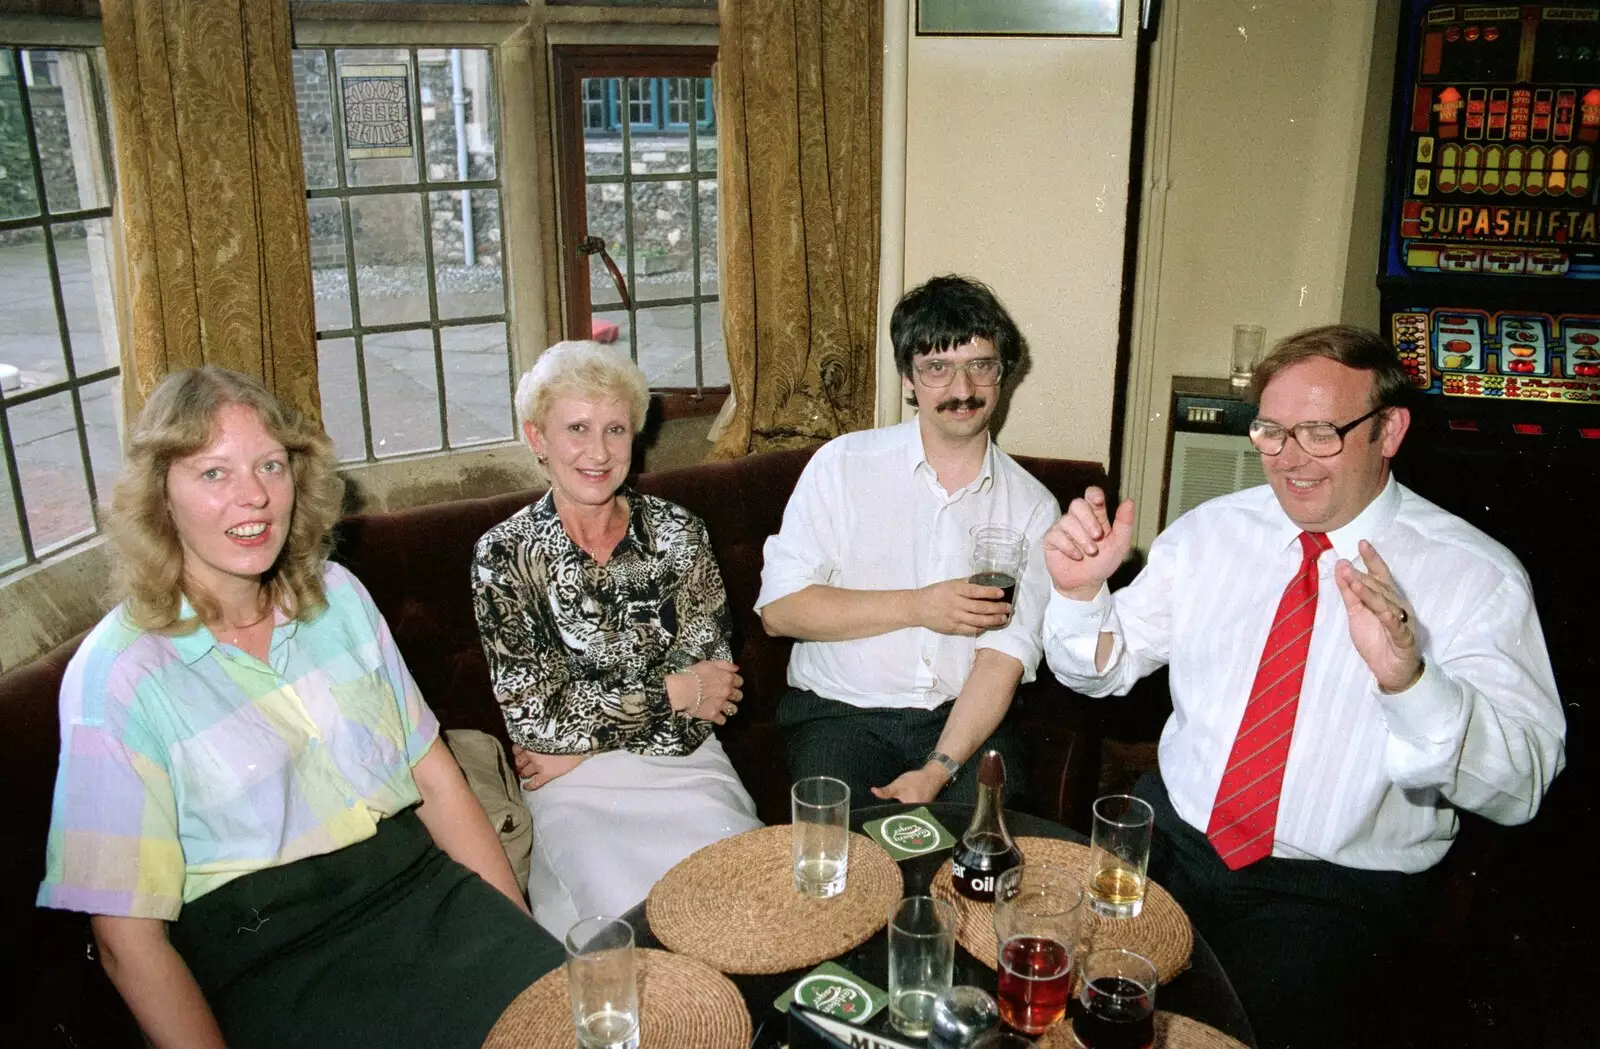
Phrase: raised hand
pixel 956 606
pixel 1085 547
pixel 1381 625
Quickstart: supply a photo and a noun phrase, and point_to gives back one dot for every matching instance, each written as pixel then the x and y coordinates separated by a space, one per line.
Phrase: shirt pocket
pixel 369 714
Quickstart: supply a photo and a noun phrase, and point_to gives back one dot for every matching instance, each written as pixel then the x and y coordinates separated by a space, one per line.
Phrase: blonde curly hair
pixel 179 420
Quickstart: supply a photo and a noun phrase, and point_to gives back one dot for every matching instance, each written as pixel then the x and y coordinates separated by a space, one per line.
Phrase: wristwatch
pixel 950 765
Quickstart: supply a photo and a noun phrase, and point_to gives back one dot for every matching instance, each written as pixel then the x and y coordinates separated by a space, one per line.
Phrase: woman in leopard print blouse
pixel 605 625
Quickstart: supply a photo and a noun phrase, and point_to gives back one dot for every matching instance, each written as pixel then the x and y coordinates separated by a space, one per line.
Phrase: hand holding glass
pixel 1037 914
pixel 1119 854
pixel 922 957
pixel 602 983
pixel 1118 995
pixel 820 811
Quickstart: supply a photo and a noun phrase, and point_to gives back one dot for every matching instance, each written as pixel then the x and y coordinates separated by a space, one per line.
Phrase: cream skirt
pixel 606 831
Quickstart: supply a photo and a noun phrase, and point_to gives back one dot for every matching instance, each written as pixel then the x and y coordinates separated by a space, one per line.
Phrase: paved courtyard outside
pixel 401 374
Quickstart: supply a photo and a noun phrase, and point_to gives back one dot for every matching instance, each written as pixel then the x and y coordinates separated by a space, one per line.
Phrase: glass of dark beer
pixel 1117 992
pixel 1038 911
pixel 998 556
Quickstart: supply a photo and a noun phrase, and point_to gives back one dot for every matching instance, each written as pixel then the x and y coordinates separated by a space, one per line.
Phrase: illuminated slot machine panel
pixel 1510 354
pixel 1501 152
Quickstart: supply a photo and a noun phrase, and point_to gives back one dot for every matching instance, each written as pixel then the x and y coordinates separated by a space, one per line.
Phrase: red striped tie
pixel 1246 810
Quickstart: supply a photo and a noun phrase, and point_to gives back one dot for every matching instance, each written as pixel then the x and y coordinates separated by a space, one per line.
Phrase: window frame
pixel 46 220
pixel 571 64
pixel 423 187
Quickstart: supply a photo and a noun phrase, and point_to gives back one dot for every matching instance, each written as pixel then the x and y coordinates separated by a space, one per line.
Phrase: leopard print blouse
pixel 577 650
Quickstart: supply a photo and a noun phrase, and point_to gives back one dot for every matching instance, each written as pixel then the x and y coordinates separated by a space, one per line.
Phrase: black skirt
pixel 384 943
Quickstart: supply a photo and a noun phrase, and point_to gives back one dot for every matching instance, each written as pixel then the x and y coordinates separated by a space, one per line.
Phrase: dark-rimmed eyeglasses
pixel 1320 440
pixel 985 371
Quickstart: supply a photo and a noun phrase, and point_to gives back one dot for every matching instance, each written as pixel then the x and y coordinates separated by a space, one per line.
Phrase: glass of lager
pixel 820 810
pixel 1119 853
pixel 1038 915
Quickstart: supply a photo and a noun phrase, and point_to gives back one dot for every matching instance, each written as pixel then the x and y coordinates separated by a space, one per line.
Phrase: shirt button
pixel 349 803
pixel 314 744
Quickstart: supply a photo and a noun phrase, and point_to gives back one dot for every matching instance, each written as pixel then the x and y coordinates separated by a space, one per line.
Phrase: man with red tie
pixel 1349 664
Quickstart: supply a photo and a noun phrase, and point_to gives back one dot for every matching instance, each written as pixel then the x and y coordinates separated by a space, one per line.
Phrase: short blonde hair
pixel 583 368
pixel 179 420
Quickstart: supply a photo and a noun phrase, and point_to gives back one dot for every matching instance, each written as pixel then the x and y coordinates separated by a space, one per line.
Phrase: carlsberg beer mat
pixel 908 834
pixel 835 990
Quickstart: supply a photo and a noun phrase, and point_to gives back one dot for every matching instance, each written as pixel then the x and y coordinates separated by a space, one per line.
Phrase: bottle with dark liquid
pixel 987 849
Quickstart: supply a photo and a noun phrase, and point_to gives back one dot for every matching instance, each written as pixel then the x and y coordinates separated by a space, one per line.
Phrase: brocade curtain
pixel 211 193
pixel 799 104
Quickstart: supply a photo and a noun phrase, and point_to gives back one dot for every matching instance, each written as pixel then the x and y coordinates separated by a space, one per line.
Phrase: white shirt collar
pixel 1372 520
pixel 917 458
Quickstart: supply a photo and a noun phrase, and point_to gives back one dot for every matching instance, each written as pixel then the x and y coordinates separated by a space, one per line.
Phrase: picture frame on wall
pixel 1019 18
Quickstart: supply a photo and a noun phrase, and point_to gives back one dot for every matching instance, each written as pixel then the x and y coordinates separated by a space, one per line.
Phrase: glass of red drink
pixel 1038 911
pixel 1117 992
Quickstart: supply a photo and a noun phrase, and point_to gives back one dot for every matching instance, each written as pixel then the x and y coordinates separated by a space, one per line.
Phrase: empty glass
pixel 922 956
pixel 820 810
pixel 603 984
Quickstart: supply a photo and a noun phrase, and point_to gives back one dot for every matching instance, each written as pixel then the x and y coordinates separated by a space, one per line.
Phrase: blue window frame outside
pixel 655 104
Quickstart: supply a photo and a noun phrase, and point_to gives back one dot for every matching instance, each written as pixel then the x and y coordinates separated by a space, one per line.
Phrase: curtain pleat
pixel 799 105
pixel 211 193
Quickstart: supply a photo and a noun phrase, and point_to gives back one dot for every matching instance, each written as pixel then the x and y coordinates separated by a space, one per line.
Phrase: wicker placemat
pixel 733 904
pixel 681 1002
pixel 1161 932
pixel 1173 1031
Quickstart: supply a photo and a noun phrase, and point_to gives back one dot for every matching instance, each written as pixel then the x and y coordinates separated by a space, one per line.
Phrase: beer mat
pixel 908 834
pixel 733 904
pixel 681 1002
pixel 1173 1031
pixel 1161 932
pixel 831 988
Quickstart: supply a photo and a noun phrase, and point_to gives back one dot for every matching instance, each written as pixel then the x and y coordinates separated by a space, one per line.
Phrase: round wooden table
pixel 1201 992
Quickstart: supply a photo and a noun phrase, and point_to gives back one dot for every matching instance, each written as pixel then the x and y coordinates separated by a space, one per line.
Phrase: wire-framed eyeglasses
pixel 1320 440
pixel 937 373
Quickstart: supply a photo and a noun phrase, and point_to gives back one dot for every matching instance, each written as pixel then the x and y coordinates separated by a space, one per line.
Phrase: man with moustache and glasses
pixel 904 669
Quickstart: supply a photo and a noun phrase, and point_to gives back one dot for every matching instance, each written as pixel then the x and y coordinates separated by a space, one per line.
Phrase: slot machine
pixel 1489 282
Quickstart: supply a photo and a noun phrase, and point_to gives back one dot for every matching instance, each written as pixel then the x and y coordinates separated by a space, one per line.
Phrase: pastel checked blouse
pixel 186 763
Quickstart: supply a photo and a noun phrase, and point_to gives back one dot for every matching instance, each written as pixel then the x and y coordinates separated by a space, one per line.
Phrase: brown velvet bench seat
pixel 416 564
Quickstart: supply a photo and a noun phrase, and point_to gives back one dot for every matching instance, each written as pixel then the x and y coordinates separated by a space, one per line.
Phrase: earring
pixel 541 458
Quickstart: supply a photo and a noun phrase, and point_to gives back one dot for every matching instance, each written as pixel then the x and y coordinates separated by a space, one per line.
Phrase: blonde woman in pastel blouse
pixel 253 802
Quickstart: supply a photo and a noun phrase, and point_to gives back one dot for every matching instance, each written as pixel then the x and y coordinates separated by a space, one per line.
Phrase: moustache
pixel 957 403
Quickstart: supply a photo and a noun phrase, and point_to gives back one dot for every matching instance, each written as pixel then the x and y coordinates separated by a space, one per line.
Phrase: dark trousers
pixel 1309 946
pixel 869 747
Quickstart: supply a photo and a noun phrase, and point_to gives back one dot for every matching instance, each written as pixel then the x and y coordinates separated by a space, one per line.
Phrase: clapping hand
pixel 1085 547
pixel 1381 624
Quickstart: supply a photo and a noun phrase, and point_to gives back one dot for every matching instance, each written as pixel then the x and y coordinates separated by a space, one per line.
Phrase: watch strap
pixel 950 765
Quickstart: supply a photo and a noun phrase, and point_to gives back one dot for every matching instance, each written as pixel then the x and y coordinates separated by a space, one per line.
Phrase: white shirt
pixel 869 513
pixel 1372 781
